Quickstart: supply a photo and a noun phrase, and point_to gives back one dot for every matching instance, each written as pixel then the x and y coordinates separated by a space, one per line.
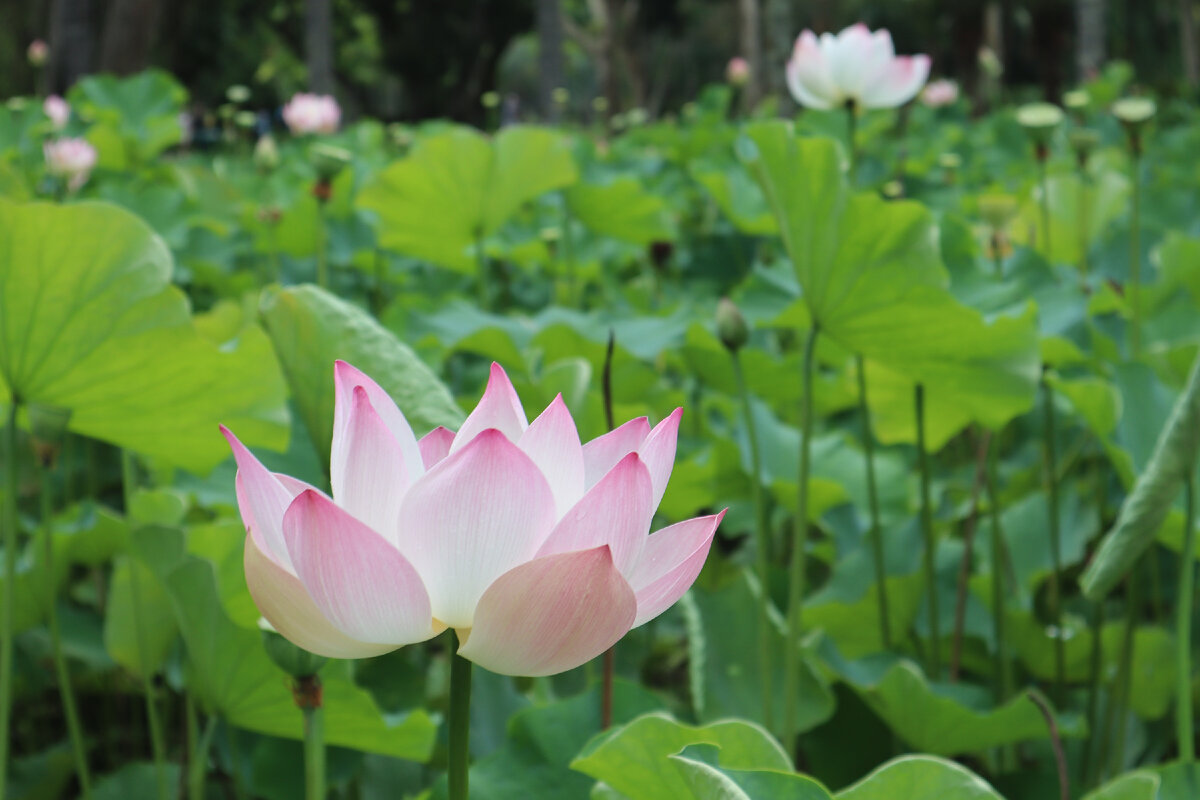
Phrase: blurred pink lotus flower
pixel 940 93
pixel 737 72
pixel 854 67
pixel 71 159
pixel 58 110
pixel 38 52
pixel 312 113
pixel 534 548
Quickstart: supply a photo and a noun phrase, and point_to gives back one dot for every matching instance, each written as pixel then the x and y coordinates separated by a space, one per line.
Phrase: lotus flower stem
pixel 1002 675
pixel 762 545
pixel 157 746
pixel 1135 255
pixel 460 726
pixel 307 693
pixel 1041 158
pixel 851 131
pixel 198 763
pixel 876 531
pixel 1082 216
pixel 610 666
pixel 1183 627
pixel 1055 598
pixel 964 572
pixel 791 650
pixel 1093 701
pixel 1060 758
pixel 1118 705
pixel 10 574
pixel 322 247
pixel 935 648
pixel 60 662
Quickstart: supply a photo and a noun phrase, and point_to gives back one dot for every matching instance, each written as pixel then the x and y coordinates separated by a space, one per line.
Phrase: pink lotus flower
pixel 72 159
pixel 38 52
pixel 58 110
pixel 534 548
pixel 737 72
pixel 855 66
pixel 940 93
pixel 312 113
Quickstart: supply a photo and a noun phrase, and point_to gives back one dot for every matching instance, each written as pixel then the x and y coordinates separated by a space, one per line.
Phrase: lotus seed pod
pixel 731 325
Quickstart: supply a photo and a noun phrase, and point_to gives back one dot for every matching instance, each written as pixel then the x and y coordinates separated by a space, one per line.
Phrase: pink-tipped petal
pixel 615 512
pixel 900 83
pixel 368 473
pixel 658 451
pixel 345 379
pixel 849 58
pixel 672 559
pixel 602 453
pixel 262 501
pixel 359 581
pixel 550 615
pixel 284 601
pixel 808 73
pixel 552 441
pixel 476 515
pixel 435 445
pixel 499 408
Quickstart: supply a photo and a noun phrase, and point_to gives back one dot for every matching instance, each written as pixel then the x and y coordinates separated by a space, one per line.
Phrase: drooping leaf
pixel 311 329
pixel 713 782
pixel 1147 505
pixel 459 186
pixel 89 322
pixel 920 778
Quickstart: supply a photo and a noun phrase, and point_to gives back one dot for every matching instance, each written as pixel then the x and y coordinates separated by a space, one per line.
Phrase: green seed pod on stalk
pixel 1040 120
pixel 731 325
pixel 328 160
pixel 997 210
pixel 1083 142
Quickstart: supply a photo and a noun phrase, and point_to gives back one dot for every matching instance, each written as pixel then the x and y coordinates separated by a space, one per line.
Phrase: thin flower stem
pixel 1093 699
pixel 481 267
pixel 460 727
pixel 10 573
pixel 198 766
pixel 1001 667
pixel 1055 598
pixel 1060 758
pixel 964 571
pixel 1135 255
pixel 609 660
pixel 157 746
pixel 1183 628
pixel 1045 204
pixel 791 651
pixel 851 131
pixel 309 689
pixel 876 532
pixel 762 545
pixel 1083 212
pixel 935 646
pixel 65 692
pixel 1115 722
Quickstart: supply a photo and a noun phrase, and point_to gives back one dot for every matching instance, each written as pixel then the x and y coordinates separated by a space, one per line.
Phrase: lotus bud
pixel 266 153
pixel 237 93
pixel 58 110
pixel 731 325
pixel 940 93
pixel 490 100
pixel 38 53
pixel 737 71
pixel 990 63
pixel 292 659
pixel 893 190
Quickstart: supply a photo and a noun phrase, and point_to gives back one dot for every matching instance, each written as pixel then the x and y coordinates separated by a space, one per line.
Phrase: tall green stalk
pixel 322 246
pixel 198 763
pixel 1041 157
pixel 1083 202
pixel 481 266
pixel 762 544
pixel 66 694
pixel 1001 667
pixel 460 727
pixel 1051 468
pixel 851 131
pixel 308 695
pixel 1115 715
pixel 1135 254
pixel 791 651
pixel 10 597
pixel 876 532
pixel 935 648
pixel 1183 628
pixel 157 743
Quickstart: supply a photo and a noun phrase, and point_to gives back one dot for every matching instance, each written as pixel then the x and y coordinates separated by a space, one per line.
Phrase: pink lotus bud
pixel 71 159
pixel 534 547
pixel 855 67
pixel 38 52
pixel 737 73
pixel 312 113
pixel 58 110
pixel 940 93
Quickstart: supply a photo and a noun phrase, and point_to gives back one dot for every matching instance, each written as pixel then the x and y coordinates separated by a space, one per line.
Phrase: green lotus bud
pixel 990 63
pixel 560 96
pixel 237 93
pixel 1134 111
pixel 490 99
pixel 893 190
pixel 294 660
pixel 731 325
pixel 328 160
pixel 997 209
pixel 266 153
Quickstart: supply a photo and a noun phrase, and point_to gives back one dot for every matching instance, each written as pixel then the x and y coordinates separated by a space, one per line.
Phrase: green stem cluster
pixel 791 652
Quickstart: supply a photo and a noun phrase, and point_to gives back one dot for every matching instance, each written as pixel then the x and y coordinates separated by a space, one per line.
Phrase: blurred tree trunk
pixel 1187 41
pixel 72 37
pixel 550 55
pixel 318 45
pixel 1089 39
pixel 129 30
pixel 751 46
